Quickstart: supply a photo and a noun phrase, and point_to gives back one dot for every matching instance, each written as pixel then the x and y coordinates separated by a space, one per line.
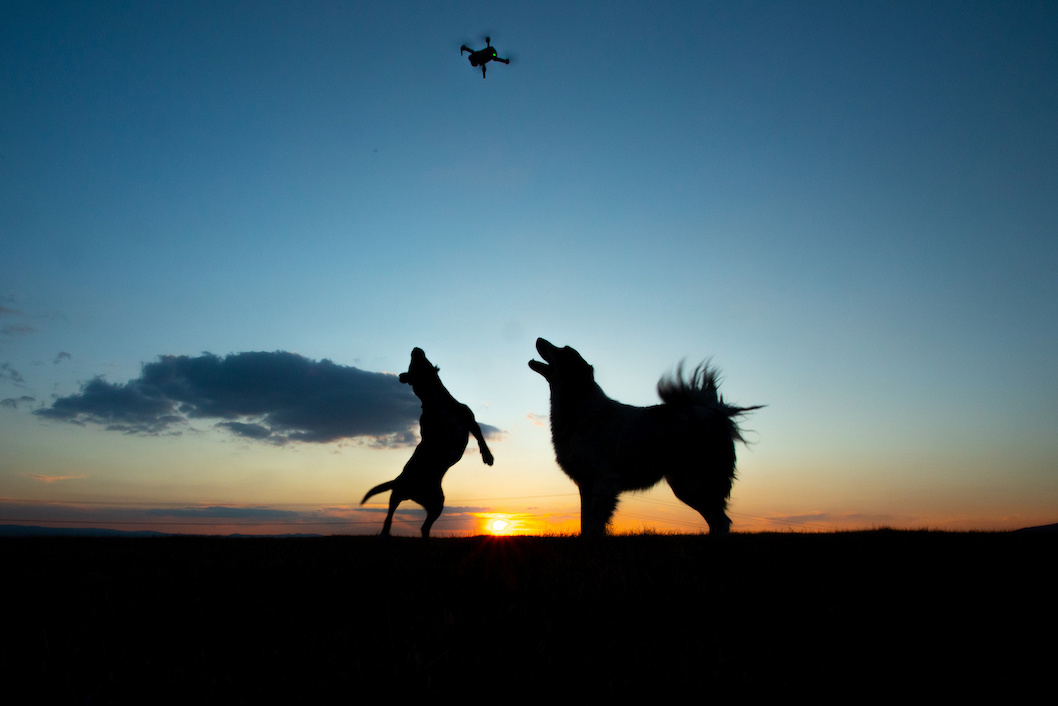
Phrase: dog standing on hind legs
pixel 607 447
pixel 445 427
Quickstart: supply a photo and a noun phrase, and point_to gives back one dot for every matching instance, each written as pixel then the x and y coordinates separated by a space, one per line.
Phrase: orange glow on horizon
pixel 535 520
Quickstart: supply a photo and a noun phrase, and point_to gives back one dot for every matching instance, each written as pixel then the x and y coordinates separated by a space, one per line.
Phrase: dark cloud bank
pixel 275 397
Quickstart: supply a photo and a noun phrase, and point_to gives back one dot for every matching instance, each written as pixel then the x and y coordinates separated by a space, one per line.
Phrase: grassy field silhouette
pixel 513 619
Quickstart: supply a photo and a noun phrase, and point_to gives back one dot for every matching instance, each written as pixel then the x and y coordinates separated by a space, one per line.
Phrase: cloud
pixel 132 407
pixel 52 479
pixel 250 431
pixel 226 513
pixel 540 420
pixel 6 371
pixel 63 355
pixel 276 397
pixel 14 402
pixel 13 329
pixel 16 330
pixel 18 327
pixel 226 519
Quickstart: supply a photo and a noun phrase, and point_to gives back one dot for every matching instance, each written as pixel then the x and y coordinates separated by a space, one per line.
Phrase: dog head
pixel 420 369
pixel 562 366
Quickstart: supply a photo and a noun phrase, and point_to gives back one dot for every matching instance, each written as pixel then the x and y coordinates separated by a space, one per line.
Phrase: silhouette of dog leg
pixel 597 504
pixel 434 505
pixel 706 495
pixel 719 523
pixel 394 501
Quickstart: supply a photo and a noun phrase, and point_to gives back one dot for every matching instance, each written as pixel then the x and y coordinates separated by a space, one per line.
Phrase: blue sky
pixel 848 207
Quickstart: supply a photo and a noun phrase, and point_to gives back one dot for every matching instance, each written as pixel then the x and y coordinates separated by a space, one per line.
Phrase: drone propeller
pixel 501 51
pixel 487 39
pixel 480 43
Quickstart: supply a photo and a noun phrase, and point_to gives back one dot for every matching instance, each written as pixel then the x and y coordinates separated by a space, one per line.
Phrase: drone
pixel 482 56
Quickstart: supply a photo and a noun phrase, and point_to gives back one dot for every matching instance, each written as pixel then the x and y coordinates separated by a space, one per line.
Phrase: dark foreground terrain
pixel 849 616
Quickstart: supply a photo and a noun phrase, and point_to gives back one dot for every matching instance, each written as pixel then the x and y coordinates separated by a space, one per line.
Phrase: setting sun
pixel 508 524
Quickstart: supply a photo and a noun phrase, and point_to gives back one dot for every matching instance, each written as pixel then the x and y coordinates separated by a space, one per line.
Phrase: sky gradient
pixel 849 208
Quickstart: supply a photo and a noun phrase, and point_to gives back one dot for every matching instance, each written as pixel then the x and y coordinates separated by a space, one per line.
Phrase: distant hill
pixel 1041 528
pixel 27 531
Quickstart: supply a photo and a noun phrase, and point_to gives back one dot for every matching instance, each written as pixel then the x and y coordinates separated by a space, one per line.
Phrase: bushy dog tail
pixel 388 485
pixel 701 389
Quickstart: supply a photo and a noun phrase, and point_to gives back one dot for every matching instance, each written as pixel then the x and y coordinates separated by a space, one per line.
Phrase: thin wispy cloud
pixel 7 314
pixel 14 402
pixel 277 397
pixel 227 519
pixel 540 420
pixel 16 329
pixel 52 479
pixel 9 373
pixel 492 433
pixel 221 512
pixel 825 520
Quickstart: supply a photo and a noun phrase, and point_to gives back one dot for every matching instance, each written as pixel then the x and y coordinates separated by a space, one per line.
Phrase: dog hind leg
pixel 394 501
pixel 709 502
pixel 435 505
pixel 719 522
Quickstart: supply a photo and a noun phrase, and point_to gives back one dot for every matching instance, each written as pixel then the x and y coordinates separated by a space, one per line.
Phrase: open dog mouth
pixel 546 351
pixel 418 363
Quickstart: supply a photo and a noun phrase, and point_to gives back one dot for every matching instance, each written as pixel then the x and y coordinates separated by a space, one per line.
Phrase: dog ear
pixel 575 360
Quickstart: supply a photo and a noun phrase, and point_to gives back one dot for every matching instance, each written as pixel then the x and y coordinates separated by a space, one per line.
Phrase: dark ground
pixel 827 617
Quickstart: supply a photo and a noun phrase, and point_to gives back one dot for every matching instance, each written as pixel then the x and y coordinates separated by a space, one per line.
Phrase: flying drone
pixel 482 56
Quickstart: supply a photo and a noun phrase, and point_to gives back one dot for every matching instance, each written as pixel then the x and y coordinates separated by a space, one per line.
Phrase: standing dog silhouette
pixel 607 447
pixel 445 426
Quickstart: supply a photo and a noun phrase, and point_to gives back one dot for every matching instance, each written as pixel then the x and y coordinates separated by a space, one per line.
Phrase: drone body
pixel 483 56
